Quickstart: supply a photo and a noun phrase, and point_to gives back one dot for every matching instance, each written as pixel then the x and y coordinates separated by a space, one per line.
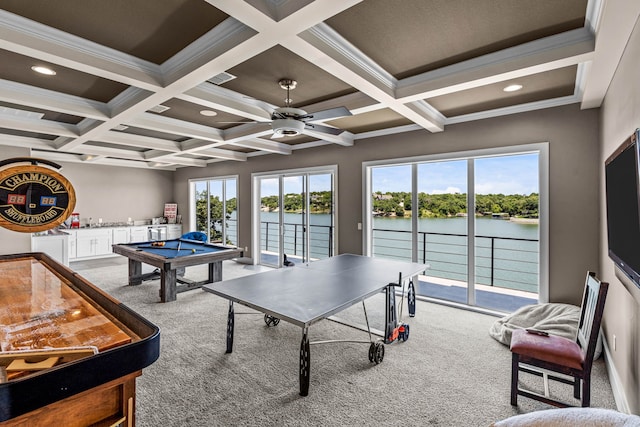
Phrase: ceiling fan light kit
pixel 285 121
pixel 287 127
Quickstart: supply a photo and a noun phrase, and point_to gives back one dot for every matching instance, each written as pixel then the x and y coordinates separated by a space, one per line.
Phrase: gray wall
pixel 12 242
pixel 117 193
pixel 574 160
pixel 620 116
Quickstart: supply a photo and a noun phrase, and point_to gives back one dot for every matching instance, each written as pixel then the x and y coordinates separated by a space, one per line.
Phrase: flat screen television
pixel 622 177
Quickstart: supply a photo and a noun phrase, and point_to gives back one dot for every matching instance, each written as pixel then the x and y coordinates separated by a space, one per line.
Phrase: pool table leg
pixel 168 290
pixel 215 271
pixel 135 272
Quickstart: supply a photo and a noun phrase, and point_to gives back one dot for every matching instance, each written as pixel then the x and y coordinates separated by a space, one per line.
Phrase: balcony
pixel 506 267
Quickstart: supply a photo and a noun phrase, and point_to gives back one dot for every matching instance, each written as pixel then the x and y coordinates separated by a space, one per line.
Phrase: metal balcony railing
pixel 506 262
pixel 320 239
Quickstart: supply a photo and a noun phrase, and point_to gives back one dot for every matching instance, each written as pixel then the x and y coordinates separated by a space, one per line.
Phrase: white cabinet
pixel 72 243
pixel 93 242
pixel 138 234
pixel 174 231
pixel 54 245
pixel 86 243
pixel 120 235
pixel 158 232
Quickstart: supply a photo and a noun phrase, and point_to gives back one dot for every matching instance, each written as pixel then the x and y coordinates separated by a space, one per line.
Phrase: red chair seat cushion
pixel 553 349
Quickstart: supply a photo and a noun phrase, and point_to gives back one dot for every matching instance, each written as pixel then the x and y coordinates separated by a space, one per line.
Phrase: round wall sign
pixel 34 198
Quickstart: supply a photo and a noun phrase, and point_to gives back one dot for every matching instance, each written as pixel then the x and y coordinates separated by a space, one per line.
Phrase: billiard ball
pixel 193 251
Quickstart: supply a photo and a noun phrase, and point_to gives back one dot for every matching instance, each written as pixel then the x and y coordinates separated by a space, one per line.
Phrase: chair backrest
pixel 595 294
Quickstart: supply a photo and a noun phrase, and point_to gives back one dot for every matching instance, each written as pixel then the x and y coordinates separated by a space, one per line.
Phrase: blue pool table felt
pixel 170 248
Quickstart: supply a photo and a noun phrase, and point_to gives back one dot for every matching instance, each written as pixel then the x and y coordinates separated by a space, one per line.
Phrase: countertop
pixel 64 231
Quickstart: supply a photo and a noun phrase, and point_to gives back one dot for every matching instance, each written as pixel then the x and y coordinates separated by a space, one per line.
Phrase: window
pixel 214 209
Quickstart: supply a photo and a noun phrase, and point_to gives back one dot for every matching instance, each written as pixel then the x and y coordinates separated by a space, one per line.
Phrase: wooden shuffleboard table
pixel 69 352
pixel 170 256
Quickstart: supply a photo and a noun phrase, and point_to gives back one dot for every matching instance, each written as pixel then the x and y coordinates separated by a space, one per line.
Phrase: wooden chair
pixel 572 358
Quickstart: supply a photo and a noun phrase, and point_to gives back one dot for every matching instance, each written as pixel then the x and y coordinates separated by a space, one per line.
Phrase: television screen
pixel 623 212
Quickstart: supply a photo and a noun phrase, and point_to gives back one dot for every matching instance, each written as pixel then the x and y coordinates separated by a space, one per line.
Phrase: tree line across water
pixel 387 204
pixel 453 204
pixel 429 205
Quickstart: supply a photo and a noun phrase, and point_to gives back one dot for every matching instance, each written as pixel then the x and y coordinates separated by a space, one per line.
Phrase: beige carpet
pixel 449 373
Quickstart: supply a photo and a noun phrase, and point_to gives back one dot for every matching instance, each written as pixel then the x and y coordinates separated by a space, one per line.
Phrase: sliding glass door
pixel 321 220
pixel 507 238
pixel 442 228
pixel 269 213
pixel 295 212
pixel 295 205
pixel 477 220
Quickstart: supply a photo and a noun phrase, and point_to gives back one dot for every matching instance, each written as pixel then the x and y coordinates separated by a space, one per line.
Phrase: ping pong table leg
pixel 390 318
pixel 411 298
pixel 230 322
pixel 305 362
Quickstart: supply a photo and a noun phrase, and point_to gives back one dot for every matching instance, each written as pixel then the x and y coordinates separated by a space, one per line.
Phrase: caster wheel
pixel 405 334
pixel 270 320
pixel 378 353
pixel 372 351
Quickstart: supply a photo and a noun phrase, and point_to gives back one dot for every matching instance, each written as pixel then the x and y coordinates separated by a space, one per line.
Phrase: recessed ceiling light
pixel 208 113
pixel 512 88
pixel 43 70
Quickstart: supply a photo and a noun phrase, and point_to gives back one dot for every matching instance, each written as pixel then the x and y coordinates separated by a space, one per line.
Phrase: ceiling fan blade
pixel 323 129
pixel 261 104
pixel 332 113
pixel 252 121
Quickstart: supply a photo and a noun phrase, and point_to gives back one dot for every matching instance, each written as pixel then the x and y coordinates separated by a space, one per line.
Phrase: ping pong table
pixel 309 292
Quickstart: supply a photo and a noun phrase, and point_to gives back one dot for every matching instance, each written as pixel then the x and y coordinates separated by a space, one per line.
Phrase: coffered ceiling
pixel 133 76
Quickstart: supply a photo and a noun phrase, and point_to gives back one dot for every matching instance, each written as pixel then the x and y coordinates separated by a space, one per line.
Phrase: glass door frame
pixel 541 148
pixel 281 175
pixel 304 214
pixel 257 184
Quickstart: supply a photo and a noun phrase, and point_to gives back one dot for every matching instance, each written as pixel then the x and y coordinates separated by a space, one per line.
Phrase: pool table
pixel 171 256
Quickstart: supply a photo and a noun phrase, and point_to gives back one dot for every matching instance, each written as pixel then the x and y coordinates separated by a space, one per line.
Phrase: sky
pixel 514 174
pixel 215 187
pixel 293 184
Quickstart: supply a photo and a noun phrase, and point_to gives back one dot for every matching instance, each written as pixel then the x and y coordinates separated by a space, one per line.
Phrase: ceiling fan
pixel 290 121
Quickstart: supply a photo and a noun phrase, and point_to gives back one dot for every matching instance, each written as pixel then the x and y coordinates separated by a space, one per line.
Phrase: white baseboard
pixel 619 395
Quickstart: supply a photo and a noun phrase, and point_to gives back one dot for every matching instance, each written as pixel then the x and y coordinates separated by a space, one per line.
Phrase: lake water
pixel 506 251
